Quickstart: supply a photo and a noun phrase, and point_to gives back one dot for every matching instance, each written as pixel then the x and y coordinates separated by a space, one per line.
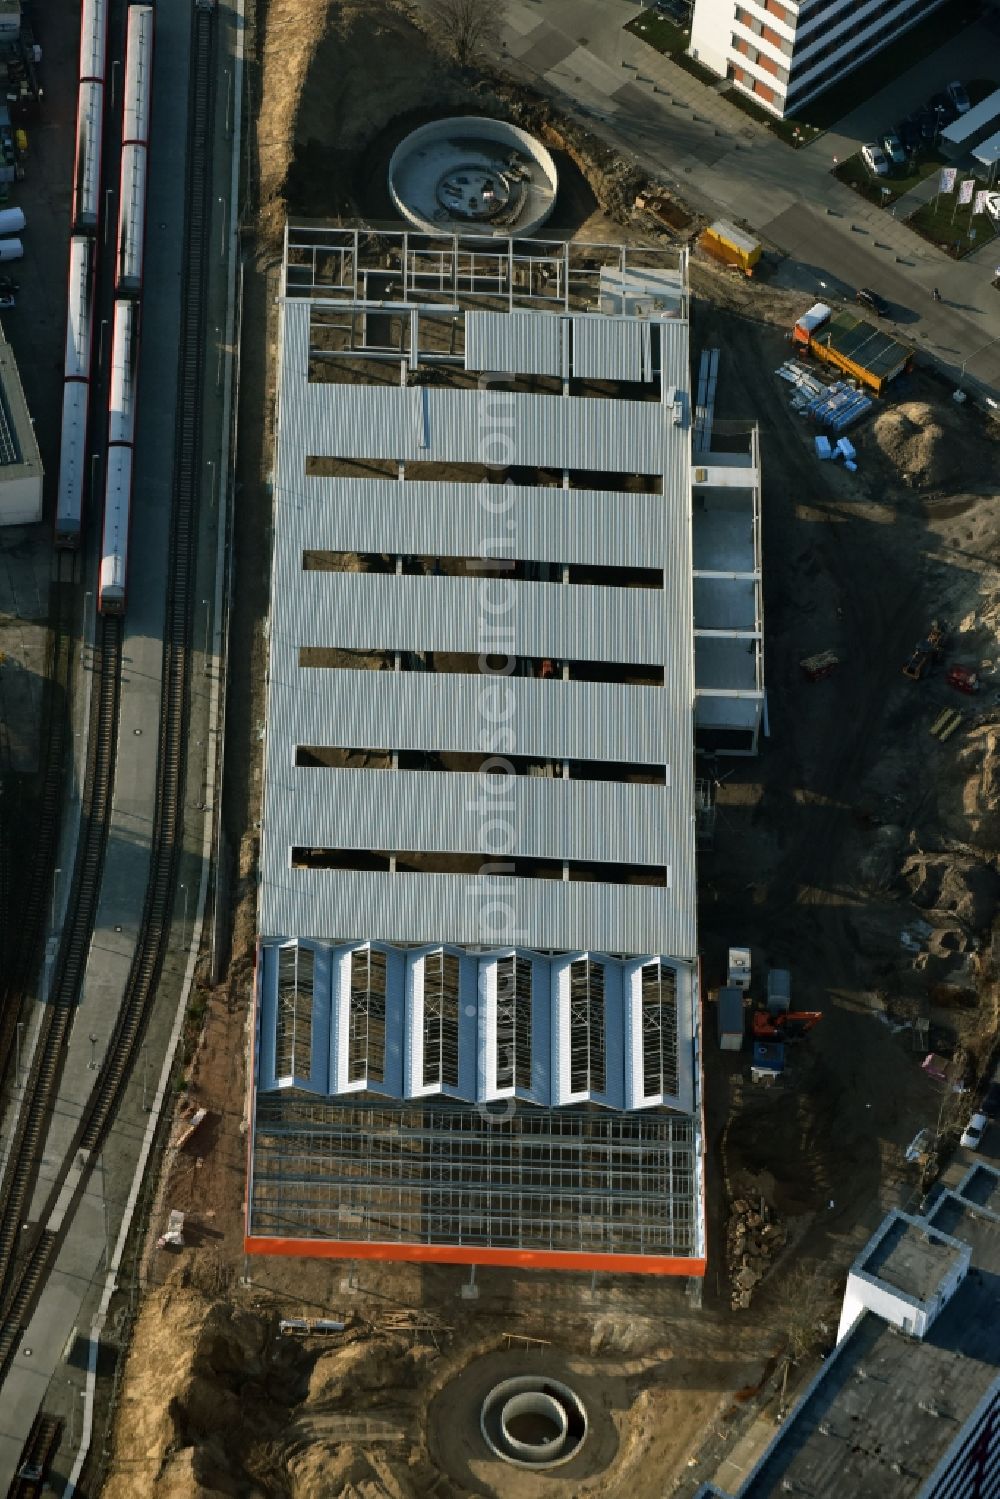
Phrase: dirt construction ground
pixel 857 851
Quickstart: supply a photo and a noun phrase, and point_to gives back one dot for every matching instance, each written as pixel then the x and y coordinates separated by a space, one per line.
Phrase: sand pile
pixel 914 440
pixel 953 886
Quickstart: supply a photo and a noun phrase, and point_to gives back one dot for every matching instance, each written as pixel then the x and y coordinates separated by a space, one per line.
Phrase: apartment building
pixel 785 53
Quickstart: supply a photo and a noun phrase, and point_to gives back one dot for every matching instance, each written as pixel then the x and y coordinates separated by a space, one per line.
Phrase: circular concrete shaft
pixel 473 175
pixel 533 1422
pixel 534 1415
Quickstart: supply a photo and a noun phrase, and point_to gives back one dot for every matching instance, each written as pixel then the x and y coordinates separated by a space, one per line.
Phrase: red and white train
pixel 82 265
pixel 136 108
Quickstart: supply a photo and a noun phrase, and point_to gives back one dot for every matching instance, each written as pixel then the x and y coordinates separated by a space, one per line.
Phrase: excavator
pixel 791 1026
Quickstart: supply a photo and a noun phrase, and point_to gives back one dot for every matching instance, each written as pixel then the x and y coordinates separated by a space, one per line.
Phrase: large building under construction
pixel 495 633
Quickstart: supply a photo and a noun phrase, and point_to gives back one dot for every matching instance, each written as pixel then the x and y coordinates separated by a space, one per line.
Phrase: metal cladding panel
pixel 514 343
pixel 87 169
pixel 423 711
pixel 462 909
pixel 372 611
pixel 138 74
pixel 93 38
pixel 72 457
pixel 114 544
pixel 540 817
pixel 611 348
pixel 80 312
pixel 472 520
pixel 131 219
pixel 461 426
pixel 124 372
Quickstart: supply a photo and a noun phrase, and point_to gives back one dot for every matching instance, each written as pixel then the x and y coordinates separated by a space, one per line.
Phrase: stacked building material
pixel 838 407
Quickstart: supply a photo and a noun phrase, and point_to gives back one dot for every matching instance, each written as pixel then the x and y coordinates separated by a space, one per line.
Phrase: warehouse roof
pixel 477 879
pixel 600 674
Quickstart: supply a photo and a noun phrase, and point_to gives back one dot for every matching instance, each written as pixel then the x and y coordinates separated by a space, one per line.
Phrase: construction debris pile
pixel 753 1238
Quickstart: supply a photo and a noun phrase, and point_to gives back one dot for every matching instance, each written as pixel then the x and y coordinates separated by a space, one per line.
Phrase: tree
pixel 469 29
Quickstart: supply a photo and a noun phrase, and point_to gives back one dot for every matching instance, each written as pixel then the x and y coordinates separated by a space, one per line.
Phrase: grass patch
pixel 886 66
pixel 855 174
pixel 948 226
pixel 665 35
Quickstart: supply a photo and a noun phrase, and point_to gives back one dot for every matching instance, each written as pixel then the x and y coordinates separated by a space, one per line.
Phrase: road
pixel 719 160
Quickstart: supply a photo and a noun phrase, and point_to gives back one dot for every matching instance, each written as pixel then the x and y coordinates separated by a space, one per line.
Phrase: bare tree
pixel 469 29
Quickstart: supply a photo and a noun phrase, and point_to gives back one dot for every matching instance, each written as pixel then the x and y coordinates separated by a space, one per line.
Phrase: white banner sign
pixel 982 198
pixel 947 183
pixel 966 190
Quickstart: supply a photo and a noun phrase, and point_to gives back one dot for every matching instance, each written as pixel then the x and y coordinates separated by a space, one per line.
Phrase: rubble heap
pixel 753 1238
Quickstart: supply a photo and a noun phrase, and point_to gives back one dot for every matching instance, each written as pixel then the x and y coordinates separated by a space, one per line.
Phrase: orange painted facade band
pixel 455 1254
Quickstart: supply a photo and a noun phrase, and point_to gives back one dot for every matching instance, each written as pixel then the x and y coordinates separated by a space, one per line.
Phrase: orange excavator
pixel 791 1026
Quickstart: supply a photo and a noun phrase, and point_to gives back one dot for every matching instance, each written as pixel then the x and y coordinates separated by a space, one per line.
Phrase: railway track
pixel 22 1276
pixel 39 1450
pixel 23 955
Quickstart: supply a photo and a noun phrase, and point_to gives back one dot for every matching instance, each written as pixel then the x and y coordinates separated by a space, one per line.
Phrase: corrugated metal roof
pixel 514 342
pixel 378 611
pixel 472 520
pixel 611 348
pixel 584 819
pixel 440 810
pixel 460 426
pixel 562 720
pixel 537 913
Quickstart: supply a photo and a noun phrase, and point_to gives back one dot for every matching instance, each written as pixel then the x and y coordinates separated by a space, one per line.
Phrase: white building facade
pixel 784 53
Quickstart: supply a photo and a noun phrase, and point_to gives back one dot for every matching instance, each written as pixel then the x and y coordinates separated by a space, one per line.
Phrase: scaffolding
pixel 568 1180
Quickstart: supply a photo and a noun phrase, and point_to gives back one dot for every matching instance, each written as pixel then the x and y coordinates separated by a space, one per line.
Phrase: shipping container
pixel 730 1019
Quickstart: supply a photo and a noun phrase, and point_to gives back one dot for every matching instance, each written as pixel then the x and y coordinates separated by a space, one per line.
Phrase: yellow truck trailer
pixel 732 246
pixel 853 346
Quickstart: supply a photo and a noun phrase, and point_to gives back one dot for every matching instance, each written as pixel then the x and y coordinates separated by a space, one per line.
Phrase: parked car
pixel 944 109
pixel 908 131
pixel 959 98
pixel 871 300
pixel 927 122
pixel 894 149
pixel 875 160
pixel 990 1105
pixel 973 1133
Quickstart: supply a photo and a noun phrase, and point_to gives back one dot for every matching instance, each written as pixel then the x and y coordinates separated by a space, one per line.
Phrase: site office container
pixel 732 246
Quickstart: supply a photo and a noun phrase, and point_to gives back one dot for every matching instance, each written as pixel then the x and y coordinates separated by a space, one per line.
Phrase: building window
pixel 763 92
pixel 366 1033
pixel 513 1059
pixel 767 63
pixel 293 1022
pixel 779 12
pixel 658 996
pixel 441 1012
pixel 586 1027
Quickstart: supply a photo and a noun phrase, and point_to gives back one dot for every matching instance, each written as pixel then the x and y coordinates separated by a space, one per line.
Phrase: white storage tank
pixel 12 220
pixel 11 249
